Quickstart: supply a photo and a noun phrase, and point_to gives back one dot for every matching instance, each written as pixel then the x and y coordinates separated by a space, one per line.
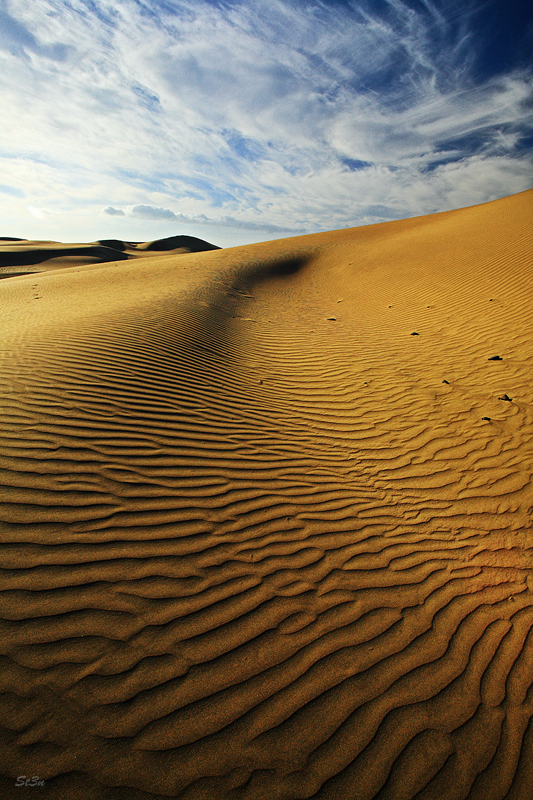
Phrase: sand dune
pixel 24 257
pixel 261 541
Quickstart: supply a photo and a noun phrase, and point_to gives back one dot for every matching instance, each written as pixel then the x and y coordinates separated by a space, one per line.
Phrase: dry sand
pixel 260 540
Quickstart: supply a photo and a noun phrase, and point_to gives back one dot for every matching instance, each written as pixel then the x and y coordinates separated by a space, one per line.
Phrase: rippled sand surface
pixel 267 518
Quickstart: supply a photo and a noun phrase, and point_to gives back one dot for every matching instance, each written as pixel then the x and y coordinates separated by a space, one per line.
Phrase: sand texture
pixel 267 518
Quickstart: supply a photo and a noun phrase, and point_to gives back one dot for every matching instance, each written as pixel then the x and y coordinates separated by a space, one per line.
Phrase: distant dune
pixel 24 257
pixel 267 515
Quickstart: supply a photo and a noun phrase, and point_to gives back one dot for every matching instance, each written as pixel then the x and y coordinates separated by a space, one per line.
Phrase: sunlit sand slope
pixel 267 518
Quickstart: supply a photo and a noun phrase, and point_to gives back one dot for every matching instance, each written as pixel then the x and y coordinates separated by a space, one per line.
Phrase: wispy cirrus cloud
pixel 264 118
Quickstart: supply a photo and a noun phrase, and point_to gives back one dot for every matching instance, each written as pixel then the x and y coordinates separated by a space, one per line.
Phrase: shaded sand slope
pixel 259 541
pixel 25 257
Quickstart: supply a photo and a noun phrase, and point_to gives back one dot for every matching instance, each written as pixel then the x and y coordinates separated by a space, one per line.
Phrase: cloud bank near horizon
pixel 158 213
pixel 275 118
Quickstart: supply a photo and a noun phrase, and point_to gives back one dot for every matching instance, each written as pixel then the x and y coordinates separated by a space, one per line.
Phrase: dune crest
pixel 260 540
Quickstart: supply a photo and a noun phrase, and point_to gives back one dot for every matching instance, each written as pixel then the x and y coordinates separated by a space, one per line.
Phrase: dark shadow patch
pixel 191 243
pixel 116 244
pixel 287 266
pixel 19 256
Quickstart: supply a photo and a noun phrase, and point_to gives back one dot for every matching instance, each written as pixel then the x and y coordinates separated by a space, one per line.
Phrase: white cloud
pixel 41 213
pixel 251 115
pixel 36 212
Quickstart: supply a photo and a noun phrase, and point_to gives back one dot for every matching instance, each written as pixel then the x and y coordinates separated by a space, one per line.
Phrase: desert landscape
pixel 267 514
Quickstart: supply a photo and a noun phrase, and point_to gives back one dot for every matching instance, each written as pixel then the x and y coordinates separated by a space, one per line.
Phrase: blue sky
pixel 245 121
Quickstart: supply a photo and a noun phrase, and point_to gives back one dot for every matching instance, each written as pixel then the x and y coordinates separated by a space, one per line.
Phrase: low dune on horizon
pixel 267 514
pixel 26 257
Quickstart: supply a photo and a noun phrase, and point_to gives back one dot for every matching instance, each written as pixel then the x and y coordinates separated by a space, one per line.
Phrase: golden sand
pixel 267 517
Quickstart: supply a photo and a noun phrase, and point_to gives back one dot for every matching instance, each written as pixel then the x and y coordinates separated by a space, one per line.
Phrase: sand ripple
pixel 259 541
